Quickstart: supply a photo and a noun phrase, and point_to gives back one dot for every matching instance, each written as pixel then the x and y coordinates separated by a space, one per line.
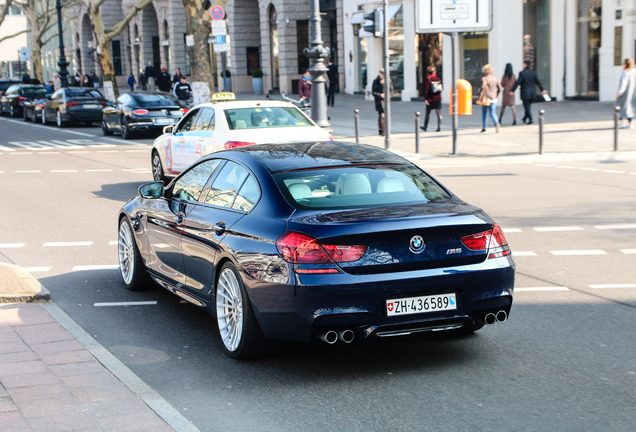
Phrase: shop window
pixel 396 50
pixel 302 38
pixel 536 38
pixel 475 49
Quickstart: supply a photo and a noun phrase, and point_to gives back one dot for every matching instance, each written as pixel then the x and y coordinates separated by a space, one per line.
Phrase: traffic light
pixel 374 22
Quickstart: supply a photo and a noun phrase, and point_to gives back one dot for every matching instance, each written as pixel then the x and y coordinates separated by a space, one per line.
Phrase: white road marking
pixel 64 244
pixel 511 230
pixel 113 243
pixel 38 269
pixel 530 289
pixel 27 171
pixel 589 169
pixel 565 166
pixel 558 228
pixel 137 170
pixel 99 170
pixel 95 267
pixel 11 245
pixel 139 303
pixel 615 226
pixel 602 286
pixel 628 251
pixel 578 252
pixel 523 253
pixel 614 171
pixel 64 171
pixel 7 149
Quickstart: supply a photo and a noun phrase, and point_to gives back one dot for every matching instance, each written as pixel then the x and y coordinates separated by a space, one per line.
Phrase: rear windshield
pixel 265 117
pixel 83 93
pixel 33 91
pixel 359 187
pixel 148 100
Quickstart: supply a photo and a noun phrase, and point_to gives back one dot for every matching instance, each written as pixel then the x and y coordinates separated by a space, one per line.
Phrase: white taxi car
pixel 225 124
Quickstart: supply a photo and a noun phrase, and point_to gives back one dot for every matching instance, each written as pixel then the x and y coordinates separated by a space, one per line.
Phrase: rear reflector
pixel 140 112
pixel 235 144
pixel 184 110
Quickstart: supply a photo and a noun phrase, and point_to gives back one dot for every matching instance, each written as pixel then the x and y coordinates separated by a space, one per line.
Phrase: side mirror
pixel 168 129
pixel 151 190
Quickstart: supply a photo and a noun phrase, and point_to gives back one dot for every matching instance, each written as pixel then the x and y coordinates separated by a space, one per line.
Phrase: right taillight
pixel 492 240
pixel 234 144
pixel 299 248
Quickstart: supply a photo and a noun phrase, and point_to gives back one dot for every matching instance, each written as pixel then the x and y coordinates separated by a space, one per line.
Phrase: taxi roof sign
pixel 224 96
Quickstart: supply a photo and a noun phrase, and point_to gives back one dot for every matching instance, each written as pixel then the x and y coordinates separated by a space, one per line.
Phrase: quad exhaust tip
pixel 346 336
pixel 331 337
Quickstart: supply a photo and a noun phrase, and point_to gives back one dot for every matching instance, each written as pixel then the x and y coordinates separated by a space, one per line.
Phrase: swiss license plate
pixel 164 121
pixel 92 106
pixel 423 304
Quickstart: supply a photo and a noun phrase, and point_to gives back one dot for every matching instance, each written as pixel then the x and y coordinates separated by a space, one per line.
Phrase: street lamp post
pixel 62 63
pixel 317 68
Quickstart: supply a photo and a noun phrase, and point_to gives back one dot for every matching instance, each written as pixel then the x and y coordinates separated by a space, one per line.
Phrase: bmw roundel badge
pixel 417 244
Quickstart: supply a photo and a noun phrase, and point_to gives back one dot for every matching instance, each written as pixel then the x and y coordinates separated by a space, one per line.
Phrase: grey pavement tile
pixel 30 380
pixel 71 369
pixel 3 391
pixel 14 347
pixel 24 314
pixel 6 405
pixel 68 357
pixel 37 393
pixel 62 422
pixel 22 368
pixel 8 335
pixel 140 421
pixel 17 357
pixel 48 407
pixel 55 347
pixel 12 421
pixel 38 333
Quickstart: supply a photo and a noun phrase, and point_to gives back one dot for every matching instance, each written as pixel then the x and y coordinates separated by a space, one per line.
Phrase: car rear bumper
pixel 304 312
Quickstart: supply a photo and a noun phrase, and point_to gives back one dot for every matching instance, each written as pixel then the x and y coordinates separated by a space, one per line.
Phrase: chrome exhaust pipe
pixel 331 337
pixel 346 336
pixel 490 318
pixel 501 316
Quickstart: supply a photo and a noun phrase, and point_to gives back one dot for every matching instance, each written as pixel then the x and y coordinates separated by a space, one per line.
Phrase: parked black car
pixel 14 98
pixel 134 113
pixel 72 105
pixel 6 83
pixel 32 110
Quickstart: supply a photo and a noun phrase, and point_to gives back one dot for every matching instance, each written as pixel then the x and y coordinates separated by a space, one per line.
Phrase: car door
pixel 50 106
pixel 164 222
pixel 232 193
pixel 179 153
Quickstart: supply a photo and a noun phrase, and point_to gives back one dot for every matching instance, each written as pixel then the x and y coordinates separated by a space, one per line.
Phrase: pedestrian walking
pixel 332 74
pixel 378 91
pixel 87 82
pixel 304 87
pixel 150 77
pixel 526 81
pixel 164 80
pixel 132 82
pixel 491 83
pixel 626 95
pixel 143 80
pixel 508 97
pixel 432 97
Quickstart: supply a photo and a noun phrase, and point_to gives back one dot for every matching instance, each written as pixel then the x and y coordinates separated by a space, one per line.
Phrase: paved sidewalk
pixel 55 377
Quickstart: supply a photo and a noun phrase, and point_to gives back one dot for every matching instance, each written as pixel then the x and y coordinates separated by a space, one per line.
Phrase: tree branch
pixel 121 25
pixel 4 38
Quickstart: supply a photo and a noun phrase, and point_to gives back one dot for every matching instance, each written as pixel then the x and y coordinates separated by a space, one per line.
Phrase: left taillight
pixel 299 248
pixel 235 144
pixel 72 103
pixel 22 99
pixel 494 241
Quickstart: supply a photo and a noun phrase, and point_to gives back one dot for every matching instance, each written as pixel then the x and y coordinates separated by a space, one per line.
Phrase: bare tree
pixel 3 13
pixel 198 26
pixel 104 36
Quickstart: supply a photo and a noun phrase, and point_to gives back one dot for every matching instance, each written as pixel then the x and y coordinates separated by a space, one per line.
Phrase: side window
pixel 192 182
pixel 248 195
pixel 226 184
pixel 187 123
pixel 205 121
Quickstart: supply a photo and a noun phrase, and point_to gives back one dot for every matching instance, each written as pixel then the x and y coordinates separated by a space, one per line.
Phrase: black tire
pixel 240 333
pixel 157 167
pixel 126 133
pixel 131 266
pixel 58 119
pixel 105 129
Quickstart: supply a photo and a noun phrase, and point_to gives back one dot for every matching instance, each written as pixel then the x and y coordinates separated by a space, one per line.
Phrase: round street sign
pixel 217 13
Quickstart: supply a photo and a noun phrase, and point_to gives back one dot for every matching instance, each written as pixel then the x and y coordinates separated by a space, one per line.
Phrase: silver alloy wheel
pixel 11 111
pixel 126 252
pixel 43 116
pixel 229 309
pixel 58 118
pixel 157 168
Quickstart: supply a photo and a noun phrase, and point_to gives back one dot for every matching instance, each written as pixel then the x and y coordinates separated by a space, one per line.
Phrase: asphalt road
pixel 565 360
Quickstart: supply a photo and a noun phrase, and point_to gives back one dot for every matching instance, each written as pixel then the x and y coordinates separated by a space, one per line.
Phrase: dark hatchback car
pixel 13 100
pixel 324 240
pixel 73 105
pixel 136 113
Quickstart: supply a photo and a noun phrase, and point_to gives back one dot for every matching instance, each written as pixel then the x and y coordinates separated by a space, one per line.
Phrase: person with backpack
pixel 433 97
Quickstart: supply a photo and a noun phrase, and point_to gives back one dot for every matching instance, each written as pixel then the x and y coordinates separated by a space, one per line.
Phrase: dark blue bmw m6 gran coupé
pixel 320 240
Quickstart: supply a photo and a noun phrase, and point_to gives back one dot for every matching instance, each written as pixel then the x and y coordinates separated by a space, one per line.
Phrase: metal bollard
pixel 541 112
pixel 356 122
pixel 617 110
pixel 417 131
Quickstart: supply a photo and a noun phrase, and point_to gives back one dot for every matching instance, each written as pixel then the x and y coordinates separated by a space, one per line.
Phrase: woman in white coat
pixel 627 93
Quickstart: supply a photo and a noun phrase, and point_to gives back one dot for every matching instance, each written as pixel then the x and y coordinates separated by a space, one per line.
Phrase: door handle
pixel 219 228
pixel 179 217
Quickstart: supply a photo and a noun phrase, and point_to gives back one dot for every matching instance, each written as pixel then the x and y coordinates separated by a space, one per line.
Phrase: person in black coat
pixel 332 74
pixel 527 80
pixel 377 90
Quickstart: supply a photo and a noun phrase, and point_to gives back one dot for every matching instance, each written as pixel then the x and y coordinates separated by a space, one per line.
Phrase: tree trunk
pixel 198 25
pixel 106 61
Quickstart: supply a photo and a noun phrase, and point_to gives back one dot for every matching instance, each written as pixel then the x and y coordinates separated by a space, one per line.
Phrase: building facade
pixel 576 46
pixel 11 66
